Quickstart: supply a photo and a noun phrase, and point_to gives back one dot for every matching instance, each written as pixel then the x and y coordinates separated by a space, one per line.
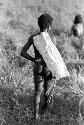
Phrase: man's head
pixel 78 19
pixel 44 21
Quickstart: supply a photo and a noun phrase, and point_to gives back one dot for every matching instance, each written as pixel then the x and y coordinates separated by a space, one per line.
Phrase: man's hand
pixel 39 61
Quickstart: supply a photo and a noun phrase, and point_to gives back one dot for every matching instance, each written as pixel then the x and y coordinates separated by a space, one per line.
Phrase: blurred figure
pixel 81 108
pixel 77 31
pixel 77 28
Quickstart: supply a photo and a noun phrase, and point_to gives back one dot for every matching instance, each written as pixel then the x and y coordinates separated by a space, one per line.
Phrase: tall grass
pixel 74 63
pixel 17 72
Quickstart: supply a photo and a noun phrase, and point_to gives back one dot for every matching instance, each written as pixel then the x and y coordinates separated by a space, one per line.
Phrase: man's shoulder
pixel 37 37
pixel 34 34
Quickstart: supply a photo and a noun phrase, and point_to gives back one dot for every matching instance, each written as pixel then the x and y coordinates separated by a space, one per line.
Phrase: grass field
pixel 18 20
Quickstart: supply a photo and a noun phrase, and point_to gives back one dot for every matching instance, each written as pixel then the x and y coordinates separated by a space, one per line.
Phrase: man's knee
pixel 40 87
pixel 39 84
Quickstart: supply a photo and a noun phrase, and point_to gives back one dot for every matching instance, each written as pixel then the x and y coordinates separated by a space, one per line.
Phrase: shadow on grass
pixel 18 109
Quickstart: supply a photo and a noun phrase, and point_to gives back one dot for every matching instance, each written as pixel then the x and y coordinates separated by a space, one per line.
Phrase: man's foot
pixel 37 117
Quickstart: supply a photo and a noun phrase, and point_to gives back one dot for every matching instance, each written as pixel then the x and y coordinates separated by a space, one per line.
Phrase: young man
pixel 41 72
pixel 77 31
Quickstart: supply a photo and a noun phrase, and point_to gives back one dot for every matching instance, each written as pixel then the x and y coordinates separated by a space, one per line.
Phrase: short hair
pixel 78 19
pixel 44 21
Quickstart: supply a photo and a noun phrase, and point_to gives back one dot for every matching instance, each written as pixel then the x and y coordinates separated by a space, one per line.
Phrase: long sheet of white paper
pixel 51 55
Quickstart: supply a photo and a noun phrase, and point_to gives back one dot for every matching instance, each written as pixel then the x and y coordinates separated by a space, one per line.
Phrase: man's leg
pixel 47 77
pixel 38 91
pixel 45 96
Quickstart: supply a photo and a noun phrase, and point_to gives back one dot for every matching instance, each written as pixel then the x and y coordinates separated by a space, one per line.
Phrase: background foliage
pixel 18 20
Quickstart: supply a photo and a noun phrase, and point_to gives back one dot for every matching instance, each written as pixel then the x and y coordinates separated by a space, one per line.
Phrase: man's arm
pixel 25 48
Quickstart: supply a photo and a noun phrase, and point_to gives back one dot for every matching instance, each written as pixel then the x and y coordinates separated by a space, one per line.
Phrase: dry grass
pixel 16 83
pixel 18 21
